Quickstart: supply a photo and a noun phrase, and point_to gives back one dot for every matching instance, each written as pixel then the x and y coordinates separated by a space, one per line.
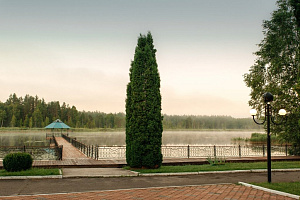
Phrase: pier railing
pixel 88 150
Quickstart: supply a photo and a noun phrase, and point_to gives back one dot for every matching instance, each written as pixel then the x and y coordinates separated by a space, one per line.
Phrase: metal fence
pixel 51 152
pixel 37 152
pixel 188 151
pixel 222 151
pixel 117 152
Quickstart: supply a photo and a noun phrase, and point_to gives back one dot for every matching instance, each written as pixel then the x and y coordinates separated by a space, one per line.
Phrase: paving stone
pixel 230 191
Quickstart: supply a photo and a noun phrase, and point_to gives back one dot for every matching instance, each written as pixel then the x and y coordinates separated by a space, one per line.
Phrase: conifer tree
pixel 143 108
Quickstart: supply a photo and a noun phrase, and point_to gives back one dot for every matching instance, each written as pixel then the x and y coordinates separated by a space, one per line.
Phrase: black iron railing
pixel 37 152
pixel 58 148
pixel 89 150
pixel 188 151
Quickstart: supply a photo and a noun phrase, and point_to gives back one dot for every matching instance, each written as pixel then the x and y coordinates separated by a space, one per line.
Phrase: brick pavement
pixel 211 192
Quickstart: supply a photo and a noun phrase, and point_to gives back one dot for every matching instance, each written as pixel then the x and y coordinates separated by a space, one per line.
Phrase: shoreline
pixel 8 129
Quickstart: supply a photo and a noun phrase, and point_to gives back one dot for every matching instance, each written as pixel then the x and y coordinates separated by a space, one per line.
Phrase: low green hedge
pixel 14 162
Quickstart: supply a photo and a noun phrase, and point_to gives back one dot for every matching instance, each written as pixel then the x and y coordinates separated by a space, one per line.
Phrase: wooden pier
pixel 69 151
pixel 72 157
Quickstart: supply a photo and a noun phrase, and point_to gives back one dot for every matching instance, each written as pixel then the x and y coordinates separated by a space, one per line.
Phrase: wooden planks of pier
pixel 69 151
pixel 72 157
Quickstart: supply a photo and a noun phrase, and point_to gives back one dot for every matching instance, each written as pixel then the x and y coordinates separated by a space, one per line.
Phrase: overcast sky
pixel 79 51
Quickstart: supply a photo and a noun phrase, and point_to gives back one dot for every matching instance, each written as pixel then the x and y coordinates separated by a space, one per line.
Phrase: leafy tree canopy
pixel 276 69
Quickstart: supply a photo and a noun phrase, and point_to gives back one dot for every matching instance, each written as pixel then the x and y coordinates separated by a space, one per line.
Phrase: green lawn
pixel 31 172
pixel 226 167
pixel 292 188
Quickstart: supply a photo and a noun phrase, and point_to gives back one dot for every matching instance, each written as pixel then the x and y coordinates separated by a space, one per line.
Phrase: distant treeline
pixel 33 112
pixel 207 122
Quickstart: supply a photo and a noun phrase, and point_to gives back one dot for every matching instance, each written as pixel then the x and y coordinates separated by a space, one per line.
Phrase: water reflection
pixel 23 138
pixel 169 137
pixel 118 138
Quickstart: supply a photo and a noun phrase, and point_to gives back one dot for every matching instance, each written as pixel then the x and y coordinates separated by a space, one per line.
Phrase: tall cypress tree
pixel 143 108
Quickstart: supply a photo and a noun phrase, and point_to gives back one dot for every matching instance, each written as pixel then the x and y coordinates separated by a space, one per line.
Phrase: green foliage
pixel 45 113
pixel 143 108
pixel 228 166
pixel 296 6
pixel 277 68
pixel 32 112
pixel 292 188
pixel 262 138
pixel 240 139
pixel 207 122
pixel 17 162
pixel 216 160
pixel 2 115
pixel 31 172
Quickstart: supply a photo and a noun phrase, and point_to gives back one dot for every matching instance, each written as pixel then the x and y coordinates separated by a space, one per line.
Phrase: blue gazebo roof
pixel 57 124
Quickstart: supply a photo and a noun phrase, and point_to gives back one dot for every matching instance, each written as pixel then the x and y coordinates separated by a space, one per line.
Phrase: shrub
pixel 216 161
pixel 17 162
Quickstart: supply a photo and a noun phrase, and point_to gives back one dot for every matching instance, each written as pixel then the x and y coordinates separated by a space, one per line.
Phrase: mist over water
pixel 202 137
pixel 23 138
pixel 118 138
pixel 168 138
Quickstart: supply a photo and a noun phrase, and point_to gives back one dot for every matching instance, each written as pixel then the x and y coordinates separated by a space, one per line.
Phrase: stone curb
pixel 145 175
pixel 218 172
pixel 270 190
pixel 32 177
pixel 99 176
pixel 134 174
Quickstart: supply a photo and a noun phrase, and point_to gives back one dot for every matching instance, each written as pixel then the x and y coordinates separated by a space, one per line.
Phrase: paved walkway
pixel 153 187
pixel 130 187
pixel 223 191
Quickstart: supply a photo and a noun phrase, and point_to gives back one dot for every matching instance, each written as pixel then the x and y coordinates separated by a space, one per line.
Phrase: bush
pixel 216 161
pixel 14 162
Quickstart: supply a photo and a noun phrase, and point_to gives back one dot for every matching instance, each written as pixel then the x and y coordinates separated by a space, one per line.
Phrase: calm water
pixel 169 137
pixel 23 138
pixel 118 138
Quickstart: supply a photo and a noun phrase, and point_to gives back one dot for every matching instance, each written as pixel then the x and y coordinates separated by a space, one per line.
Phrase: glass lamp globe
pixel 282 112
pixel 253 112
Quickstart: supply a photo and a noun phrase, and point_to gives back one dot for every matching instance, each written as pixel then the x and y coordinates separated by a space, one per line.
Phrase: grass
pixel 31 172
pixel 226 167
pixel 292 188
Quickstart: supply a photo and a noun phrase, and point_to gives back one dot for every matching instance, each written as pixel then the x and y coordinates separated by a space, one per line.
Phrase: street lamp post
pixel 268 98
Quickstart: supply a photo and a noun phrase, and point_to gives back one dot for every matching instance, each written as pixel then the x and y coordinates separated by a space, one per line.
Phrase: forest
pixel 34 112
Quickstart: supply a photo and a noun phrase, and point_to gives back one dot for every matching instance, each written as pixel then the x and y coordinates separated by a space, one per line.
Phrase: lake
pixel 23 138
pixel 118 138
pixel 168 138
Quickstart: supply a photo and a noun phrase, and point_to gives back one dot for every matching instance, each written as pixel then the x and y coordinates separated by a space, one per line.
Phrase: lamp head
pixel 268 97
pixel 282 112
pixel 253 112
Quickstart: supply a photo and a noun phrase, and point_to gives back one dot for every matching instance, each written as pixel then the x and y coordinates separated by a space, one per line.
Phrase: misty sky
pixel 79 51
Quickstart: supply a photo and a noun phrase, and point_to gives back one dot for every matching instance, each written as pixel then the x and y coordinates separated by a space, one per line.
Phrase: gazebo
pixel 58 124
